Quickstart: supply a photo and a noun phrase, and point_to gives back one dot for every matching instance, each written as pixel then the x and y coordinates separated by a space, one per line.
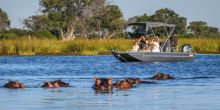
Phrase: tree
pixel 37 22
pixel 214 30
pixel 142 18
pixel 111 21
pixel 200 28
pixel 164 15
pixel 71 18
pixel 4 20
pixel 169 16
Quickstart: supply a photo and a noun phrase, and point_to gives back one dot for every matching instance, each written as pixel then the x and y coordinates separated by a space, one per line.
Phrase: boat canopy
pixel 150 25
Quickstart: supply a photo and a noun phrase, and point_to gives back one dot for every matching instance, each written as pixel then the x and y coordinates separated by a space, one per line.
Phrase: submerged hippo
pixel 14 84
pixel 55 84
pixel 103 84
pixel 162 76
pixel 125 84
pixel 139 81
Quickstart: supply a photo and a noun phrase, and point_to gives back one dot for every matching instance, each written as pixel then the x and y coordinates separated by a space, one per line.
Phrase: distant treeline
pixel 70 19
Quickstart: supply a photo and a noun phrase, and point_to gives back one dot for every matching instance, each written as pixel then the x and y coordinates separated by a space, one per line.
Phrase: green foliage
pixel 169 16
pixel 8 35
pixel 162 15
pixel 4 20
pixel 18 32
pixel 43 34
pixel 69 18
pixel 37 22
pixel 142 18
pixel 200 28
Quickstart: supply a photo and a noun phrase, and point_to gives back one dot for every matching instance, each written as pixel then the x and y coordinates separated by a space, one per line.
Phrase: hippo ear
pixel 94 78
pixel 118 82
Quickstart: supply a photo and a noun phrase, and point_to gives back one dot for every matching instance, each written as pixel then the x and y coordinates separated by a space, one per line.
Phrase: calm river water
pixel 196 87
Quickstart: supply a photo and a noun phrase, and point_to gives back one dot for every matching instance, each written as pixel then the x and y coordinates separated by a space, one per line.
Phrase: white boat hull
pixel 153 56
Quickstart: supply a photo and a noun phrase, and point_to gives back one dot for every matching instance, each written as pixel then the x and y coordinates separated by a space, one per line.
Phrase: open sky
pixel 193 10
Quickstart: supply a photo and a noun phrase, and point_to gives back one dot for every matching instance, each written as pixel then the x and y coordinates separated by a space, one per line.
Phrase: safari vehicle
pixel 165 55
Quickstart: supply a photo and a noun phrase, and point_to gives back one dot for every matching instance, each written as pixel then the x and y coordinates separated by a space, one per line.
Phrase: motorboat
pixel 164 55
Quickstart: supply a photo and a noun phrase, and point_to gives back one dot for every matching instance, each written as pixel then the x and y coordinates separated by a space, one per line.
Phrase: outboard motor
pixel 186 48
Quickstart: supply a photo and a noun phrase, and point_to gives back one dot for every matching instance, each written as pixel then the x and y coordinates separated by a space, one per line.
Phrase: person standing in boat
pixel 155 44
pixel 135 47
pixel 173 43
pixel 142 42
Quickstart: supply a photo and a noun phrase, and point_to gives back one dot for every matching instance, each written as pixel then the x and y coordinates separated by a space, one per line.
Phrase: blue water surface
pixel 196 87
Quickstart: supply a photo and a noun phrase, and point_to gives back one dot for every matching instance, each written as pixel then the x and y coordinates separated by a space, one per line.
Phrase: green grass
pixel 89 47
pixel 203 45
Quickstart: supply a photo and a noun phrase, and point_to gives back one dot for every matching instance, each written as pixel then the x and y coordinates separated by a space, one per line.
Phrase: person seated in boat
pixel 173 43
pixel 155 44
pixel 135 47
pixel 142 42
pixel 147 46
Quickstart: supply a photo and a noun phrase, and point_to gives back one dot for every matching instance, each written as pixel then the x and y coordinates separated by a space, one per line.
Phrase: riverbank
pixel 90 47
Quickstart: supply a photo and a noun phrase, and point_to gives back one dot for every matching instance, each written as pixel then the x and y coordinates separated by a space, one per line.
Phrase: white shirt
pixel 135 48
pixel 156 47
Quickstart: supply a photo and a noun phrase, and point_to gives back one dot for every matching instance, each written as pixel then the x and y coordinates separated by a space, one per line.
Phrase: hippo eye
pixel 98 81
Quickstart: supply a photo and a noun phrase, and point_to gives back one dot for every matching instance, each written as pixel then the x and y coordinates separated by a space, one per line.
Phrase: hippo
pixel 103 84
pixel 125 84
pixel 55 84
pixel 14 84
pixel 162 76
pixel 139 81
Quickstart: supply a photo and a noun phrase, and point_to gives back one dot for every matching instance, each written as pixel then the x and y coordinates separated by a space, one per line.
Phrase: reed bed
pixel 203 45
pixel 90 47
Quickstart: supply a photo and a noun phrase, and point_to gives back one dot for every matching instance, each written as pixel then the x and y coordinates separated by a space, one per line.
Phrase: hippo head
pixel 125 84
pixel 21 85
pixel 59 83
pixel 14 84
pixel 162 76
pixel 102 83
pixel 134 80
pixel 97 81
pixel 47 84
pixel 56 84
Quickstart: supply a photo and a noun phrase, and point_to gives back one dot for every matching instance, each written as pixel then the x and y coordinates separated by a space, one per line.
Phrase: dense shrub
pixel 43 34
pixel 19 32
pixel 8 35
